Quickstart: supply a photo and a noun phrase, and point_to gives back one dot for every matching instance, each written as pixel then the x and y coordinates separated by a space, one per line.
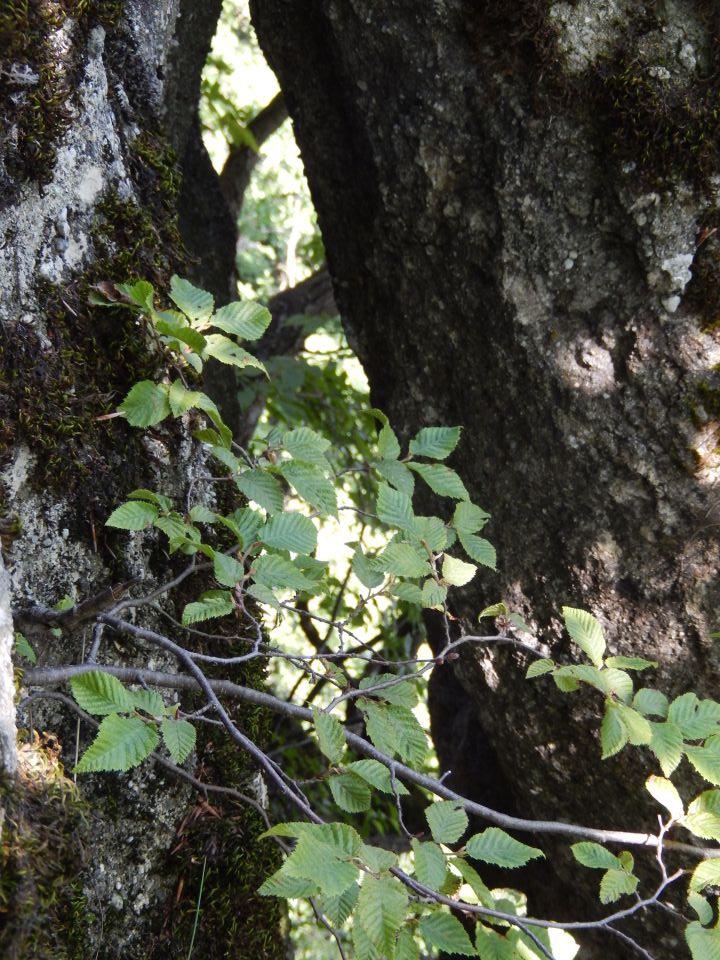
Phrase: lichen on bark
pixel 102 205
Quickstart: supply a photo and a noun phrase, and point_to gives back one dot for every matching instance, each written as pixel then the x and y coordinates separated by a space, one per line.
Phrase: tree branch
pixel 54 675
pixel 241 159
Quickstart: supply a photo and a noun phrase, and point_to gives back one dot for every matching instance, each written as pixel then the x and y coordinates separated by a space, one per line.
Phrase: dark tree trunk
pixel 519 208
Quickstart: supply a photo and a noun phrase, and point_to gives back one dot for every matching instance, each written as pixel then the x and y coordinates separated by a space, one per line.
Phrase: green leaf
pixel 200 514
pixel 319 861
pixel 456 572
pixel 704 944
pixel 173 527
pixel 651 703
pixel 437 443
pixel 246 319
pixel 258 485
pixel 245 525
pixel 388 446
pixel 495 846
pixel 146 404
pixel 395 730
pixel 705 874
pixel 121 743
pixel 708 800
pixel 149 701
pixel 207 608
pixel 367 569
pixel 290 531
pixel 397 474
pixel 470 876
pixel 306 445
pixel 666 794
pixel 377 775
pixel 381 909
pixel 615 884
pixel 704 722
pixel 338 909
pixel 330 735
pixel 619 684
pixel 227 570
pixel 179 737
pixel 432 531
pixel 227 352
pixel 362 947
pixel 441 480
pixel 377 858
pixel 593 855
pixel 630 663
pixel 394 508
pixel 443 931
pixel 141 293
pixel 703 824
pixel 706 760
pixel 587 633
pixel 408 592
pixel 564 683
pixel 406 948
pixel 275 571
pixel 290 888
pixel 667 744
pixel 584 673
pixel 402 694
pixel 613 733
pixel 23 648
pixel 697 719
pixel 539 667
pixel 434 594
pixel 100 693
pixel 447 821
pixel 403 560
pixel 194 303
pixel 165 503
pixel 469 518
pixel 134 515
pixel 496 610
pixel 350 793
pixel 264 595
pixel 181 399
pixel 430 864
pixel 638 728
pixel 701 907
pixel 492 946
pixel 175 330
pixel 479 549
pixel 312 485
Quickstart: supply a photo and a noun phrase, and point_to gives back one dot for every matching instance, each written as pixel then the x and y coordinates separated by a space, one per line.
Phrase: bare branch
pixel 53 675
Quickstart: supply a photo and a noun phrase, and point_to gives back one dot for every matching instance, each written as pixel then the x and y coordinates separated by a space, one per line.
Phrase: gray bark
pixel 518 236
pixel 104 210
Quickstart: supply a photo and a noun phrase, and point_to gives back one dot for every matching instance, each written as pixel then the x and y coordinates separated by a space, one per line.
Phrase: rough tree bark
pixel 94 95
pixel 519 206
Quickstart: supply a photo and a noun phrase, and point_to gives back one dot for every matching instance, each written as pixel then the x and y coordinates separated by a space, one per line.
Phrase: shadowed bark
pixel 516 205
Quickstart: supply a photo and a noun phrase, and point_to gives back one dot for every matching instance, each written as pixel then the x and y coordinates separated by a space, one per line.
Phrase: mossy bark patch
pixel 44 841
pixel 39 69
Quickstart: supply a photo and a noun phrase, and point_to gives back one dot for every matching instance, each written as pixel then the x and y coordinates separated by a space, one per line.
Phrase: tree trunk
pixel 519 206
pixel 89 192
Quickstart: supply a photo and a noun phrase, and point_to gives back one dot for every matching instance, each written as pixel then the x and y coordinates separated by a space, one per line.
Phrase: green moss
pixel 43 842
pixel 710 398
pixel 52 393
pixel 38 77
